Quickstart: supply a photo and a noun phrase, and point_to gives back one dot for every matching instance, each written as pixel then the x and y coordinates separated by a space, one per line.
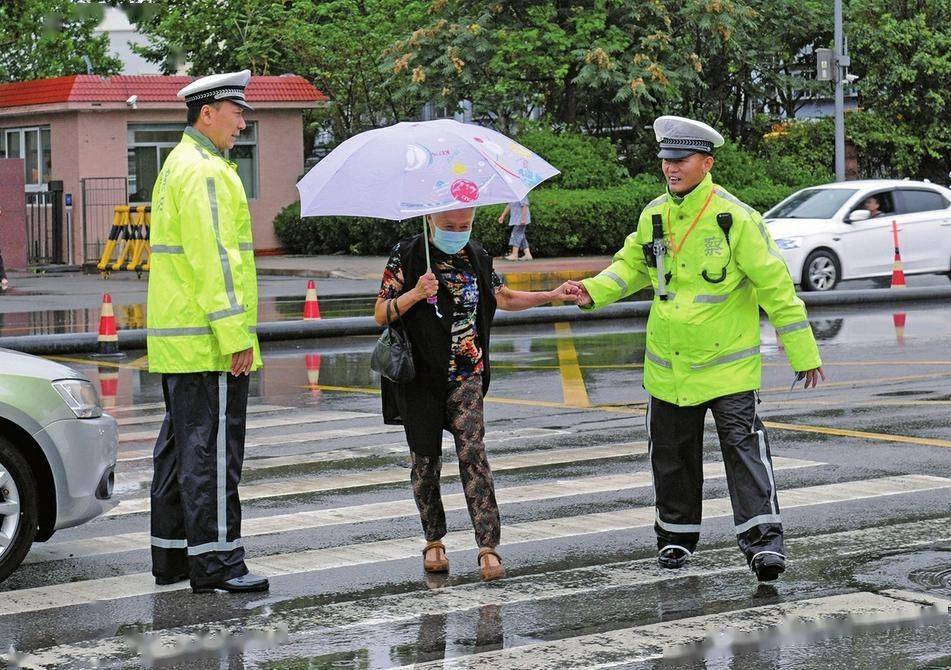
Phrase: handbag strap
pixel 396 307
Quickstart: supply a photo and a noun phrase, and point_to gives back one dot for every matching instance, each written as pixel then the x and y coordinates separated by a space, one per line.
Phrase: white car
pixel 57 453
pixel 833 232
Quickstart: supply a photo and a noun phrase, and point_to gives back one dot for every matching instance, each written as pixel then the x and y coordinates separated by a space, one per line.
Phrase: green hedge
pixel 564 222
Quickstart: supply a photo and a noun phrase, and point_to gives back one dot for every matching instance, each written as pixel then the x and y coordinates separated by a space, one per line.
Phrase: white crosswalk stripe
pixel 317 484
pixel 257 424
pixel 140 584
pixel 370 614
pixel 612 649
pixel 297 521
pixel 158 418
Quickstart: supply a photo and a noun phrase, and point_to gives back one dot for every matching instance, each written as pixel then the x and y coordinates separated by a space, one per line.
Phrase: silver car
pixel 57 453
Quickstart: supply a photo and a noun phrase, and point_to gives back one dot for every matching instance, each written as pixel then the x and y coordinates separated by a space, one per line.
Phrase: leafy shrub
pixel 584 161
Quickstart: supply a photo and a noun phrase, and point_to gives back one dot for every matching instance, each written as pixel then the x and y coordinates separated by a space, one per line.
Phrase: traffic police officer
pixel 202 314
pixel 720 265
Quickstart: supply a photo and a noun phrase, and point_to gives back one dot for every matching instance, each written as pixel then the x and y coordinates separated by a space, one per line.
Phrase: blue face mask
pixel 450 242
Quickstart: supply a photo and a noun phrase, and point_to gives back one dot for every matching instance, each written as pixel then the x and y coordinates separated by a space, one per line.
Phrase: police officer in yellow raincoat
pixel 719 266
pixel 202 316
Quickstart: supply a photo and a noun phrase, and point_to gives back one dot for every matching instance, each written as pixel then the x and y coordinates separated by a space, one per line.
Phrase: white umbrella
pixel 415 168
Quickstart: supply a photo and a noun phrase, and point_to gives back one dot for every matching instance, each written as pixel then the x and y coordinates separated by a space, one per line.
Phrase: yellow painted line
pixel 141 363
pixel 635 411
pixel 927 441
pixel 572 382
pixel 502 401
pixel 856 383
pixel 92 361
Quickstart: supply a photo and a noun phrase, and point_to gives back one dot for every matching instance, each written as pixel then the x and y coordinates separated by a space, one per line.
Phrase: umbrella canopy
pixel 415 168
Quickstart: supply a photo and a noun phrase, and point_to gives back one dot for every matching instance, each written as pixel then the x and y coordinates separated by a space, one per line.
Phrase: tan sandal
pixel 438 565
pixel 490 573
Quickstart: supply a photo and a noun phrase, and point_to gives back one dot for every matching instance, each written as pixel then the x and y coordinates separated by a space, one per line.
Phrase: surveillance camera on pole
pixel 133 101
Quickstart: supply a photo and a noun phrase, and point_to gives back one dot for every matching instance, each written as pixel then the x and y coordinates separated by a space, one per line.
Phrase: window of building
pixel 33 146
pixel 150 145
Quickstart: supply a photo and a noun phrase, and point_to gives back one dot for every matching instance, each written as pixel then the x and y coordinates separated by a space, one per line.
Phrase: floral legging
pixel 466 423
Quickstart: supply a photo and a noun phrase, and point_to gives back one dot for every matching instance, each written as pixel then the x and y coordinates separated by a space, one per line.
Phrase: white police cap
pixel 680 137
pixel 217 87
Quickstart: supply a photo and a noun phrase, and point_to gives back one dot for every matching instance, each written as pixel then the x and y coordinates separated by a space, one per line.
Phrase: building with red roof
pixel 105 139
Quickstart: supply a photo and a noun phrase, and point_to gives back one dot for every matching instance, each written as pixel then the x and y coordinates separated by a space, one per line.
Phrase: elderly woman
pixel 450 343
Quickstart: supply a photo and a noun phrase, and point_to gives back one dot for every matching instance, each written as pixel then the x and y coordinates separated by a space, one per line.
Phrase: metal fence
pixel 101 195
pixel 45 226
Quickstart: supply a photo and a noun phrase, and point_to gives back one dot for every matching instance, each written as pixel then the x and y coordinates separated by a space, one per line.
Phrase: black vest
pixel 420 405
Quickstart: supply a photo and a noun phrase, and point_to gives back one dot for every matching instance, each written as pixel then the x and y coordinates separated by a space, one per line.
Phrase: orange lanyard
pixel 670 231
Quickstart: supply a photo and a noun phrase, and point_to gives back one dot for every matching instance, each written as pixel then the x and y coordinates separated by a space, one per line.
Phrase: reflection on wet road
pixel 863 467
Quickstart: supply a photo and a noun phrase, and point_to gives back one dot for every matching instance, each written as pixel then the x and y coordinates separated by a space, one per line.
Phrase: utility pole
pixel 841 63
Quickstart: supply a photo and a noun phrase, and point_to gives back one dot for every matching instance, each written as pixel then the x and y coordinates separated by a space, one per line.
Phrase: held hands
pixel 566 293
pixel 579 292
pixel 241 362
pixel 426 286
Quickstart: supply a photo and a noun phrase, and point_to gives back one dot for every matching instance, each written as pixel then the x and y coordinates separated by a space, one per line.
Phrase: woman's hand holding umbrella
pixel 427 286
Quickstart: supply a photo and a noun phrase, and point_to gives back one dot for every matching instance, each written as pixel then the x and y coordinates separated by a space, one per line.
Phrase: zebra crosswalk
pixel 333 524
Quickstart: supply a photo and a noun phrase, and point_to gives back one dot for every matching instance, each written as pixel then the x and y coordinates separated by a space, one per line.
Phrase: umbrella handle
pixel 430 299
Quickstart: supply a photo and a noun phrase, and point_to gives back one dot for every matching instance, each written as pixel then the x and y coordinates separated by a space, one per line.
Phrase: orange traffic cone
pixel 312 361
pixel 311 308
pixel 108 386
pixel 898 275
pixel 898 318
pixel 108 341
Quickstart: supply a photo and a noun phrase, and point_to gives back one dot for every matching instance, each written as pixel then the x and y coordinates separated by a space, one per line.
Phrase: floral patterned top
pixel 457 273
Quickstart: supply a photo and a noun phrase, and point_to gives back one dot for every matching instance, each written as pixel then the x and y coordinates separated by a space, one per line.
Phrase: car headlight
pixel 80 396
pixel 789 242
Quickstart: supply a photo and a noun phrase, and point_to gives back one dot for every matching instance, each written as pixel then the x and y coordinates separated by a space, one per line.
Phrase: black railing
pixel 45 226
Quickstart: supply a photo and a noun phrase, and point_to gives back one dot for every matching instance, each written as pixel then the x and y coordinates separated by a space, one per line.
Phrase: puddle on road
pixel 132 316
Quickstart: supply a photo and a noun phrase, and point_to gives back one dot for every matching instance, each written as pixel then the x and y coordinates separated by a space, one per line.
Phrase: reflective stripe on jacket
pixel 704 341
pixel 203 292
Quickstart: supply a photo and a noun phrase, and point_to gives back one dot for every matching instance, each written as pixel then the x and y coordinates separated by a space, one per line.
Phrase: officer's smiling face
pixel 683 174
pixel 222 123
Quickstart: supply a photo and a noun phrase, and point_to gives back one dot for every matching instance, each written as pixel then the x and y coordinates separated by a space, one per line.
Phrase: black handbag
pixel 393 356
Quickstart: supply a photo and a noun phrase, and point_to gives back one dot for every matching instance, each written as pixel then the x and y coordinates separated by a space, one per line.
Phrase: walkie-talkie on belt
pixel 659 249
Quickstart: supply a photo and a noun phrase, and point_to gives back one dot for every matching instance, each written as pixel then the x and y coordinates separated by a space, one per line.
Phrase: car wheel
pixel 821 271
pixel 18 508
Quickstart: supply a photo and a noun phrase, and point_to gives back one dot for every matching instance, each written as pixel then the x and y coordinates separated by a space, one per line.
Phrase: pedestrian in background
pixel 202 315
pixel 519 217
pixel 450 344
pixel 703 344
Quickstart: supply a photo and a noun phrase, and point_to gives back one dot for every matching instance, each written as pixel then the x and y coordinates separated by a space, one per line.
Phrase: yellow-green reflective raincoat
pixel 203 292
pixel 704 341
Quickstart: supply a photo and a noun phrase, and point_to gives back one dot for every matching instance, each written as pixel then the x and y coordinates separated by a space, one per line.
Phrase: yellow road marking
pixel 856 383
pixel 91 361
pixel 501 401
pixel 931 442
pixel 635 411
pixel 572 382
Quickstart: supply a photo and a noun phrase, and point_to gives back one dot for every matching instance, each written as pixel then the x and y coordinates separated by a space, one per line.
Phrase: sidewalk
pixel 523 275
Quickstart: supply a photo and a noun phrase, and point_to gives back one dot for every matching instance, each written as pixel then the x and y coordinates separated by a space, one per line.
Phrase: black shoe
pixel 245 584
pixel 672 557
pixel 165 581
pixel 768 565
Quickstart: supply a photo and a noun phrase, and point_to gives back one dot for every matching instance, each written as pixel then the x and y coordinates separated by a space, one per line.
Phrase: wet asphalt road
pixel 863 465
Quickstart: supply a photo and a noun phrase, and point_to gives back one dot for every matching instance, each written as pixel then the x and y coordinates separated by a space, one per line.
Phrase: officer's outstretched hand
pixel 582 297
pixel 241 362
pixel 812 377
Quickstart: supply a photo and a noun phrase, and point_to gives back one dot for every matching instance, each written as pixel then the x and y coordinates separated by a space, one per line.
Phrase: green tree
pixel 50 38
pixel 594 64
pixel 902 53
pixel 337 44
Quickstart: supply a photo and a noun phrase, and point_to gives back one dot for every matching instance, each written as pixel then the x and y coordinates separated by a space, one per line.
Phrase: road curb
pixel 69 343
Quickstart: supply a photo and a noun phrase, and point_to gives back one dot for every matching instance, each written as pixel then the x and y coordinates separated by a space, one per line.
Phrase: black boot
pixel 672 557
pixel 245 584
pixel 768 565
